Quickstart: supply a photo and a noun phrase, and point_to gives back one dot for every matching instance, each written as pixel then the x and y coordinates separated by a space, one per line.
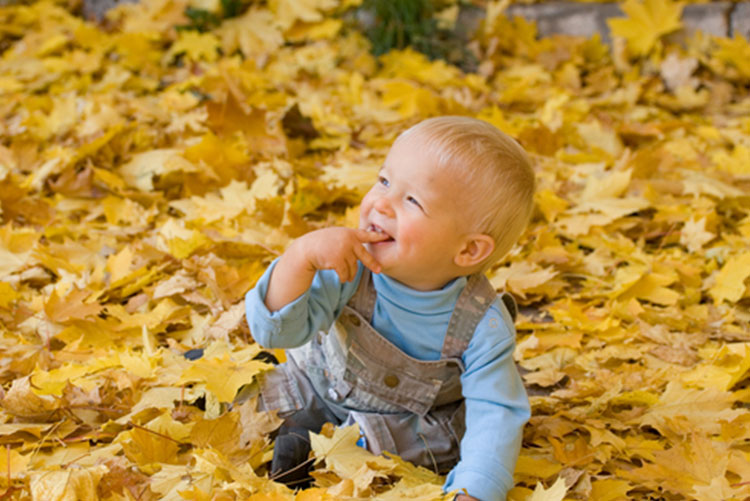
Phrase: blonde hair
pixel 493 165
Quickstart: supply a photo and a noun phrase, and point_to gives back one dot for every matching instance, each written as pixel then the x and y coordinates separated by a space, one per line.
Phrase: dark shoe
pixel 263 356
pixel 291 464
pixel 193 354
pixel 267 357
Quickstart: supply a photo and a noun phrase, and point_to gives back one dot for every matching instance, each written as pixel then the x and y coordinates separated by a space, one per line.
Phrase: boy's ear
pixel 476 249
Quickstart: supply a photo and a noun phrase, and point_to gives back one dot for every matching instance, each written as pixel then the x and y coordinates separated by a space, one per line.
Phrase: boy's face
pixel 420 206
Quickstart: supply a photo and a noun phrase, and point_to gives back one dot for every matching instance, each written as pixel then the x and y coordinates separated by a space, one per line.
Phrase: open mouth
pixel 378 229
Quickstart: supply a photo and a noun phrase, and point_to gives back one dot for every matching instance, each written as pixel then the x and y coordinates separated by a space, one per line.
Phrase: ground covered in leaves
pixel 148 174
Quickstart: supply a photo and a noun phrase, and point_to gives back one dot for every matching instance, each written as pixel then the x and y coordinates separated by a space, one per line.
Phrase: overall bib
pixel 413 408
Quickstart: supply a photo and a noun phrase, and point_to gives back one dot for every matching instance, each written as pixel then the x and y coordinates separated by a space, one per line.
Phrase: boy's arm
pixel 496 410
pixel 336 249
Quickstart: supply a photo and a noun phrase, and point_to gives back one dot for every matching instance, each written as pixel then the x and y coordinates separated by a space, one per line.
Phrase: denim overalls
pixel 413 408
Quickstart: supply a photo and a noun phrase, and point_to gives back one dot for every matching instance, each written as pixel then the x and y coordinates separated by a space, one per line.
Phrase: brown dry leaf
pixel 74 306
pixel 67 485
pixel 21 400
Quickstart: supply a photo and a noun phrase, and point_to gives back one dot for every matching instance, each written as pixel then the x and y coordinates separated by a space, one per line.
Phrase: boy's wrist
pixel 290 278
pixel 300 253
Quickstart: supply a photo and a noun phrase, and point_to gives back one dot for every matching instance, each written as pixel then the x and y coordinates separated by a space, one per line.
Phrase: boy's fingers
pixel 367 259
pixel 351 270
pixel 346 270
pixel 365 236
pixel 343 272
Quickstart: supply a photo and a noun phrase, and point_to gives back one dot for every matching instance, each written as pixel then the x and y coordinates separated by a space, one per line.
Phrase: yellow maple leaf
pixel 701 409
pixel 125 211
pixel 140 171
pixel 13 464
pixel 11 260
pixel 697 183
pixel 356 175
pixel 7 294
pixel 161 398
pixel 646 23
pixel 342 454
pixel 555 493
pixel 652 287
pixel 222 375
pixel 171 480
pixel 521 277
pixel 730 282
pixel 255 33
pixel 74 306
pixel 410 99
pixel 54 381
pixel 220 153
pixel 694 235
pixel 287 12
pixel 541 467
pixel 138 49
pixel 326 29
pixel 196 46
pixel 609 184
pixel 610 489
pixel 693 462
pixel 423 492
pixel 233 199
pixel 244 474
pixel 726 367
pixel 410 64
pixel 496 117
pixel 550 204
pixel 64 485
pixel 736 163
pixel 148 449
pixel 599 213
pixel 734 52
pixel 221 433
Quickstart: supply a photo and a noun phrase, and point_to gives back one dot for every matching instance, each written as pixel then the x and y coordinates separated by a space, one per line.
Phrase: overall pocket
pixel 280 391
pixel 431 441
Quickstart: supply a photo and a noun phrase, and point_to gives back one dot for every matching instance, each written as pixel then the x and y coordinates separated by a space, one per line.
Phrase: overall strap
pixel 363 300
pixel 471 306
pixel 510 304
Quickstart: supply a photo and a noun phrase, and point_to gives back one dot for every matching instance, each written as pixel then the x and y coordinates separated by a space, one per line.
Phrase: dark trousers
pixel 291 464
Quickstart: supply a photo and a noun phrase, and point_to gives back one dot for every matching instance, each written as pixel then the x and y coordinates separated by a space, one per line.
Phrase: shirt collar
pixel 438 301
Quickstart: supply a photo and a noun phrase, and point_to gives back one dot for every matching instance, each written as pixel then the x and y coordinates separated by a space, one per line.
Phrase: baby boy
pixel 393 325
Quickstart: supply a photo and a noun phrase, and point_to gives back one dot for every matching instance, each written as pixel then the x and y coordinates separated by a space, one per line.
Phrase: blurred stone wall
pixel 571 18
pixel 578 18
pixel 95 9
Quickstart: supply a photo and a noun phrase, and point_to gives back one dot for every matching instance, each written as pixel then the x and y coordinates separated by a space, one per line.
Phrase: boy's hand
pixel 339 249
pixel 465 497
pixel 328 249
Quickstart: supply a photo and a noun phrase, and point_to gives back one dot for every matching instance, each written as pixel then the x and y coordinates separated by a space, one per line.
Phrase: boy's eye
pixel 383 181
pixel 414 201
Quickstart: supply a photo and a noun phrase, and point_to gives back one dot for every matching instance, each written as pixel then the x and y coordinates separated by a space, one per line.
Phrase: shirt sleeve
pixel 297 322
pixel 497 408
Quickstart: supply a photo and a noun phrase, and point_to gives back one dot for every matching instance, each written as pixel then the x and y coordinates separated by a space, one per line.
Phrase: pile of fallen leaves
pixel 148 174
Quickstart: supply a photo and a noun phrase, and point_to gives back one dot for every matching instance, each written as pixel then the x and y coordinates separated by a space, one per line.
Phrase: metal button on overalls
pixel 333 394
pixel 391 380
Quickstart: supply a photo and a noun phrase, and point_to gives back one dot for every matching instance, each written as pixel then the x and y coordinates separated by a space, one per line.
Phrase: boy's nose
pixel 383 205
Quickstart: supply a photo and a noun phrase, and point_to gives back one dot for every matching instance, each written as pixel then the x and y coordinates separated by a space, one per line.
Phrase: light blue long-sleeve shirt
pixel 496 403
